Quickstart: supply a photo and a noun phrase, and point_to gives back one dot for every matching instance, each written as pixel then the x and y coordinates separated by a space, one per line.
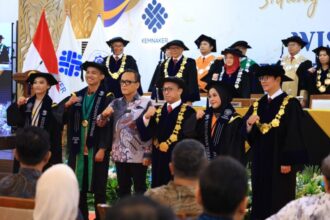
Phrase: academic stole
pixel 216 131
pixel 86 135
pixel 46 107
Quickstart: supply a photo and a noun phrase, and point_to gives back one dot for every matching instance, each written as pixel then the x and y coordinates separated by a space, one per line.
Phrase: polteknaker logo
pixel 154 16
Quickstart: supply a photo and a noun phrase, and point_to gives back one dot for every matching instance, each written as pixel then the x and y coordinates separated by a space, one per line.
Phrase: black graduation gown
pixel 227 138
pixel 152 85
pixel 256 87
pixel 312 79
pixel 244 89
pixel 160 160
pixel 283 145
pixel 189 75
pixel 216 67
pixel 101 137
pixel 302 73
pixel 50 118
pixel 113 84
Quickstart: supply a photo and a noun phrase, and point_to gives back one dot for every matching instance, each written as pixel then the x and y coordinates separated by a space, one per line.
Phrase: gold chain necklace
pixel 163 146
pixel 120 70
pixel 265 127
pixel 179 73
pixel 322 87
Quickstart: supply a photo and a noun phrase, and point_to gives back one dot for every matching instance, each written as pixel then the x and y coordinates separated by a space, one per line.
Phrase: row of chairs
pixel 16 208
pixel 22 209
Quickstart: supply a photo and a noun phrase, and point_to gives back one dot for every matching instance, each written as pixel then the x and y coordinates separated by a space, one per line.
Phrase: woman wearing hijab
pixel 319 82
pixel 230 72
pixel 40 111
pixel 219 126
pixel 52 202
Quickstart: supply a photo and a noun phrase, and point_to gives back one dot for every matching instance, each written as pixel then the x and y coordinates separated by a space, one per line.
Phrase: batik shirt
pixel 22 184
pixel 127 145
pixel 306 208
pixel 181 199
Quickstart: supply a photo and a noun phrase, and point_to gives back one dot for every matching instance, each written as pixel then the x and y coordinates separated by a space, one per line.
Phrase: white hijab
pixel 57 194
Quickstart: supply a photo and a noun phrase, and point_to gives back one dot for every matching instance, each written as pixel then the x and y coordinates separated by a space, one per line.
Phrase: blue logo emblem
pixel 154 16
pixel 69 63
pixel 99 59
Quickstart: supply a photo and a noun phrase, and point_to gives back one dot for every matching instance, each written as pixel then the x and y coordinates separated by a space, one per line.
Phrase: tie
pixel 203 59
pixel 269 99
pixel 292 58
pixel 175 61
pixel 169 108
pixel 116 58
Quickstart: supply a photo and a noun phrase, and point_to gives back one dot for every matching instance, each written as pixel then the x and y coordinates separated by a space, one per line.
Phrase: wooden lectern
pixel 21 79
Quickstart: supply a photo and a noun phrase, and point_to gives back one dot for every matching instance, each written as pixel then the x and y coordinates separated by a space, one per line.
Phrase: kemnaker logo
pixel 69 63
pixel 154 16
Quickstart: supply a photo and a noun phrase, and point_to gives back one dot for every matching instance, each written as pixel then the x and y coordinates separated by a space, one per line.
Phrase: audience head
pixel 188 159
pixel 325 168
pixel 57 194
pixel 223 188
pixel 32 147
pixel 130 82
pixel 139 208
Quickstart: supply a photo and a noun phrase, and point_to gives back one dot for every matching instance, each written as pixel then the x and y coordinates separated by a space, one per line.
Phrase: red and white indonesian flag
pixel 41 54
pixel 97 48
pixel 69 61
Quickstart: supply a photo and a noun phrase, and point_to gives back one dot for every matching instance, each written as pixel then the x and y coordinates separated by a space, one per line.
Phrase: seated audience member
pixel 188 159
pixel 32 151
pixel 139 208
pixel 223 190
pixel 57 194
pixel 309 207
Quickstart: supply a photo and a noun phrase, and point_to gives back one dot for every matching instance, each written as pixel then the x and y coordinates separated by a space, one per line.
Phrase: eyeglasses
pixel 167 89
pixel 126 82
pixel 263 78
